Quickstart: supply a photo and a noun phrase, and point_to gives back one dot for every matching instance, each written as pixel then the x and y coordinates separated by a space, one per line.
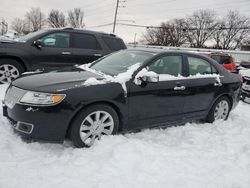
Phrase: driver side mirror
pixel 150 78
pixel 146 77
pixel 38 44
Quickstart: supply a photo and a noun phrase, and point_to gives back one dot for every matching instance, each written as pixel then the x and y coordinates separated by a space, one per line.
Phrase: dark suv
pixel 52 49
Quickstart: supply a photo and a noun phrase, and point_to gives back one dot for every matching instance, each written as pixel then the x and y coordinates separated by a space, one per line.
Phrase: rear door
pixel 86 48
pixel 201 86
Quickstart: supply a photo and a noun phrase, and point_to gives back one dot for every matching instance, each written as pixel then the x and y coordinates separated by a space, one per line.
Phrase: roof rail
pixel 68 28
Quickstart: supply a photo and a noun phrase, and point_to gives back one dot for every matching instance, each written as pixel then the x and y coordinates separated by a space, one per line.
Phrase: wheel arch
pixel 82 107
pixel 18 59
pixel 230 98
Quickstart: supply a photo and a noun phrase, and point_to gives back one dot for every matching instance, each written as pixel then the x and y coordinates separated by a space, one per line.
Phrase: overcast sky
pixel 141 12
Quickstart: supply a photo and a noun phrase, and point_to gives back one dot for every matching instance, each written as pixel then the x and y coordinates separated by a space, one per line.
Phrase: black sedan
pixel 125 91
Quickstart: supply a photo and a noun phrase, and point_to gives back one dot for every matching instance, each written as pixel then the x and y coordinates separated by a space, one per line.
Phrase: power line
pixel 185 29
pixel 214 6
pixel 154 2
pixel 102 25
pixel 100 9
pixel 191 8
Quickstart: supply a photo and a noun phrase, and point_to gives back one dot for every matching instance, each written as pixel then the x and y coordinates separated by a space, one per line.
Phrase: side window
pixel 199 66
pixel 216 58
pixel 56 40
pixel 171 65
pixel 85 41
pixel 114 43
pixel 225 59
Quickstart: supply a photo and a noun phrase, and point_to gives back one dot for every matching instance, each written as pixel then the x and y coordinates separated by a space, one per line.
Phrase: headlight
pixel 43 99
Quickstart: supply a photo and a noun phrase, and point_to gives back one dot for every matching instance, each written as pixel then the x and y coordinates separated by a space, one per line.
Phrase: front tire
pixel 10 69
pixel 92 123
pixel 220 110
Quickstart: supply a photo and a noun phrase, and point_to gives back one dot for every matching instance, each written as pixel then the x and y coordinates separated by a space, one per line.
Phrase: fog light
pixel 24 127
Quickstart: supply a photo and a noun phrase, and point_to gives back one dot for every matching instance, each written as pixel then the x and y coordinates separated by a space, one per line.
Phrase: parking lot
pixel 194 155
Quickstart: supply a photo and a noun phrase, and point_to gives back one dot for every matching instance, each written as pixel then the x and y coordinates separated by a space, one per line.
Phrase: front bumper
pixel 245 95
pixel 48 124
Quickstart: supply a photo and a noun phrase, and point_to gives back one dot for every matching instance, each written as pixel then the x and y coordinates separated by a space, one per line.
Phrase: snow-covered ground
pixel 191 156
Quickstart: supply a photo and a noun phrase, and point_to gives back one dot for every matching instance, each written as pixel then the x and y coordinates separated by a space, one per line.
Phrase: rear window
pixel 114 43
pixel 85 41
pixel 216 58
pixel 221 59
pixel 225 60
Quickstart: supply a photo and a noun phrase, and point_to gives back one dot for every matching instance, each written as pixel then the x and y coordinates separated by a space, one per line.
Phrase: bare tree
pixel 232 31
pixel 75 18
pixel 171 33
pixel 175 32
pixel 150 36
pixel 155 36
pixel 18 25
pixel 35 19
pixel 201 26
pixel 56 19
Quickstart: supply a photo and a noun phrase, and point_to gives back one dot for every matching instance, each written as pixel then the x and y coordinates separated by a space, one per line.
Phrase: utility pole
pixel 116 10
pixel 135 40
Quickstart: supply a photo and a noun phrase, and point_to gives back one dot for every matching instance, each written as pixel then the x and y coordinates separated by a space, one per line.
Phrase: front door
pixel 157 103
pixel 55 52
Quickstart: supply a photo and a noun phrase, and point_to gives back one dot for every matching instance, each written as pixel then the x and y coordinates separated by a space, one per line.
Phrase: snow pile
pixel 121 78
pixel 192 156
pixel 165 77
pixel 93 81
pixel 144 72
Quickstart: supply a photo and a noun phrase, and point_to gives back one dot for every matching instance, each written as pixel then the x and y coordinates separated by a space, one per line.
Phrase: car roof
pixel 83 31
pixel 159 51
pixel 193 53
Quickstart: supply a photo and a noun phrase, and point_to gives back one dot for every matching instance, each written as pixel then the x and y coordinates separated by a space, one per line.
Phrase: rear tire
pixel 92 123
pixel 220 110
pixel 10 69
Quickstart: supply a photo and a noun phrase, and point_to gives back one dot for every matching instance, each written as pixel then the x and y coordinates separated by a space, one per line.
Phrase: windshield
pixel 30 35
pixel 119 62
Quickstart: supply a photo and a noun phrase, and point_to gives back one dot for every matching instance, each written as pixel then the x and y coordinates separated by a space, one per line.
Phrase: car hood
pixel 11 44
pixel 54 81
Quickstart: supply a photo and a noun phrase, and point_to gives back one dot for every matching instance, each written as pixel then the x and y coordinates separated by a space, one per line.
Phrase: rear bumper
pixel 47 124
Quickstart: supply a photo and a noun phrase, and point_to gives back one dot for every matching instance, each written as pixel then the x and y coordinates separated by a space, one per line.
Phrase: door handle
pixel 66 53
pixel 179 88
pixel 97 55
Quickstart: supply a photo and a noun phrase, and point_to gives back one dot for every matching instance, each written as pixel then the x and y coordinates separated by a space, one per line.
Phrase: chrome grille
pixel 13 96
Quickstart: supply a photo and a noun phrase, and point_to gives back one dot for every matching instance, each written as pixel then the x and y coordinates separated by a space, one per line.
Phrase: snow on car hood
pixel 121 78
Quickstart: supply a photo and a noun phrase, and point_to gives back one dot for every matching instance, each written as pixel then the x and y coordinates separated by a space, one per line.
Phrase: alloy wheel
pixel 95 125
pixel 221 110
pixel 8 73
